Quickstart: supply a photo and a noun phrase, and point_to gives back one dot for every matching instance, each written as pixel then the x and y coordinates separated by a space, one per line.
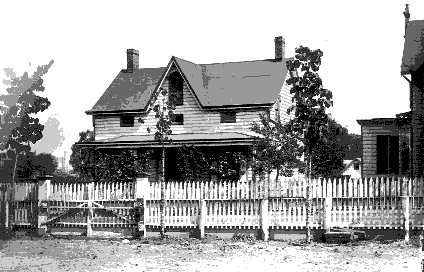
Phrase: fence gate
pixel 94 208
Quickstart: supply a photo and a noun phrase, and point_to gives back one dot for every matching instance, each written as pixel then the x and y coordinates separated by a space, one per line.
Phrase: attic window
pixel 176 87
pixel 127 121
pixel 228 117
pixel 177 119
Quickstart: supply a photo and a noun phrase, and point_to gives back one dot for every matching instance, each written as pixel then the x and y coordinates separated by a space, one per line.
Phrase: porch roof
pixel 197 139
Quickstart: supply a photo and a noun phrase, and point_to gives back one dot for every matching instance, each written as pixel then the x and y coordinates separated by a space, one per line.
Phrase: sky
pixel 362 42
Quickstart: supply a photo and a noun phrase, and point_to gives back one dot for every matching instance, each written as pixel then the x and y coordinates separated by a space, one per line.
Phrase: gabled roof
pixel 413 50
pixel 129 91
pixel 233 84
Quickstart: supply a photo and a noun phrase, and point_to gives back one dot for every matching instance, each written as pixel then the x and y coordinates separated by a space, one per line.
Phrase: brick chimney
pixel 132 60
pixel 280 48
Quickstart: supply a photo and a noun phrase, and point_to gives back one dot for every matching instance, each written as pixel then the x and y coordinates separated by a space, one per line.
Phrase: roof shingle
pixel 413 50
pixel 214 85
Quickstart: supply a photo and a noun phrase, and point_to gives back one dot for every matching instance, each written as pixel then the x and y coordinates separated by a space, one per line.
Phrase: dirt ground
pixel 82 254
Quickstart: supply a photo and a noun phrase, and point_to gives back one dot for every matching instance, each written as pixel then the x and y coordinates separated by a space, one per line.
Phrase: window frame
pixel 176 116
pixel 124 118
pixel 176 92
pixel 387 154
pixel 232 114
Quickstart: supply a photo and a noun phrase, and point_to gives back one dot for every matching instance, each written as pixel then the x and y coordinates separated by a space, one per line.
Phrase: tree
pixel 310 101
pixel 277 149
pixel 81 158
pixel 354 146
pixel 20 94
pixel 45 164
pixel 19 128
pixel 164 110
pixel 53 136
pixel 328 155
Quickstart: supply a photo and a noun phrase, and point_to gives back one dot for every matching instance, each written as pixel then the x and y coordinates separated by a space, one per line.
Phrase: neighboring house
pixel 216 103
pixel 395 146
pixel 352 168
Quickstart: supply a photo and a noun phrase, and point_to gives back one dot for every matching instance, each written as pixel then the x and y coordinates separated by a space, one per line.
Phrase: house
pixel 394 146
pixel 352 168
pixel 215 104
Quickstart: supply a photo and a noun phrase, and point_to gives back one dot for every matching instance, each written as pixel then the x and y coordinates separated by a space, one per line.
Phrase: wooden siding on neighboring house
pixel 369 142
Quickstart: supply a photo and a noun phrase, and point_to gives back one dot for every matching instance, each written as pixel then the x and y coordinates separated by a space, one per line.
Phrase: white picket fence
pixel 369 203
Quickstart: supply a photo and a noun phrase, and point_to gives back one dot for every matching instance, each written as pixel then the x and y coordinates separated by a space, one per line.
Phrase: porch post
pixel 43 198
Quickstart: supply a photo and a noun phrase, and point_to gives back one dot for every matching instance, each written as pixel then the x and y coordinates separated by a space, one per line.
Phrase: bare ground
pixel 61 254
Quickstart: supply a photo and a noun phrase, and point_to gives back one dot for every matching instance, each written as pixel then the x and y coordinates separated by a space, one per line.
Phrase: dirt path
pixel 24 254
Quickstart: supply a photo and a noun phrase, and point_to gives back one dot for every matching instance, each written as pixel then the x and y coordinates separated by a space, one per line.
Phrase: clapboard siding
pixel 196 120
pixel 285 101
pixel 369 142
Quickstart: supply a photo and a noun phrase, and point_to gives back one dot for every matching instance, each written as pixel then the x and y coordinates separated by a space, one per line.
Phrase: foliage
pixel 98 164
pixel 53 136
pixel 45 164
pixel 164 113
pixel 19 102
pixel 76 158
pixel 277 148
pixel 354 146
pixel 191 163
pixel 310 101
pixel 328 155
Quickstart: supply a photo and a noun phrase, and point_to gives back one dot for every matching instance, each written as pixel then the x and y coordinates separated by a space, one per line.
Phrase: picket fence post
pixel 327 217
pixel 44 183
pixel 202 217
pixel 328 205
pixel 142 191
pixel 90 211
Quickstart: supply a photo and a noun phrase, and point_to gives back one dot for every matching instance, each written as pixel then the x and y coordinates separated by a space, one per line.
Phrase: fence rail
pixel 367 203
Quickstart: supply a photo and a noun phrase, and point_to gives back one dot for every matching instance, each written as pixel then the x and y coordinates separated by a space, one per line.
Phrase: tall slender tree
pixel 310 101
pixel 164 114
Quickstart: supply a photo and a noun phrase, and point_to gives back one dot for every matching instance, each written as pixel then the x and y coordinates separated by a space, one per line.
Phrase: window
pixel 127 121
pixel 387 154
pixel 356 166
pixel 228 117
pixel 177 119
pixel 176 87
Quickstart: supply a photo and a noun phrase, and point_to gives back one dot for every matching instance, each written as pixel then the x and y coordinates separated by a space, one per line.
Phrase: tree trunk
pixel 308 200
pixel 278 173
pixel 162 197
pixel 12 193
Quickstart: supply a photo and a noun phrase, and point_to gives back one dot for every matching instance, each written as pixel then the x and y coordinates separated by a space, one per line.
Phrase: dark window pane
pixel 177 119
pixel 228 117
pixel 127 121
pixel 356 166
pixel 394 155
pixel 176 88
pixel 382 154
